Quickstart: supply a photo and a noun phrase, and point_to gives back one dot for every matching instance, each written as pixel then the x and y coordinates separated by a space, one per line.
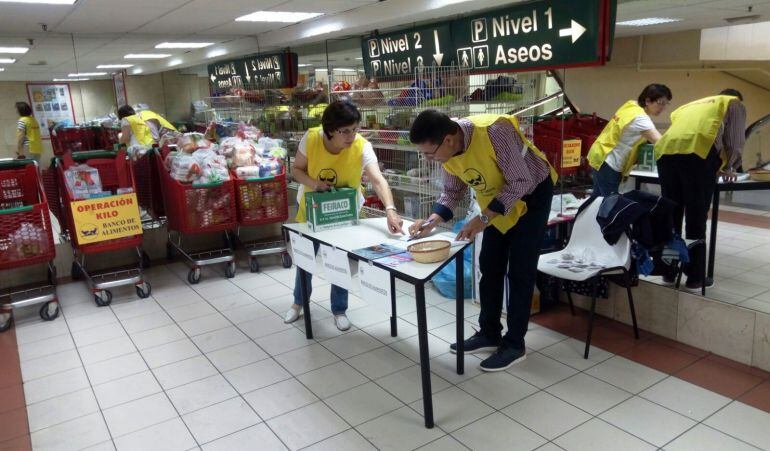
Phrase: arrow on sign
pixel 248 76
pixel 213 78
pixel 438 56
pixel 575 30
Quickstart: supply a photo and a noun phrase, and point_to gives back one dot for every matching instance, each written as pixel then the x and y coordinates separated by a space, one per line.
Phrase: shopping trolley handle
pixel 15 162
pixel 9 211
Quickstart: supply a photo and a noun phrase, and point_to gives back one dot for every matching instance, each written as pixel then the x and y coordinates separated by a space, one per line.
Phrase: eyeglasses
pixel 662 102
pixel 348 131
pixel 434 150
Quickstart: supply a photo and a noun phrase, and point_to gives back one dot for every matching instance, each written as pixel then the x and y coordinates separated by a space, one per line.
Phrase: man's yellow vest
pixel 341 170
pixel 140 129
pixel 694 127
pixel 610 137
pixel 33 134
pixel 478 168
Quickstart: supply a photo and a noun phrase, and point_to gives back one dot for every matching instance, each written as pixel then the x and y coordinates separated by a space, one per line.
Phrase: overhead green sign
pixel 526 36
pixel 275 70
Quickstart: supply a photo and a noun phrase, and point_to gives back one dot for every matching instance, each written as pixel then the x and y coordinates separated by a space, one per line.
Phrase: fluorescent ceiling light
pixel 114 66
pixel 88 74
pixel 441 3
pixel 359 58
pixel 304 65
pixel 183 45
pixel 277 16
pixel 321 70
pixel 647 22
pixel 2 69
pixel 146 56
pixel 14 49
pixel 216 52
pixel 175 62
pixel 322 29
pixel 71 79
pixel 136 71
pixel 343 69
pixel 47 2
pixel 7 60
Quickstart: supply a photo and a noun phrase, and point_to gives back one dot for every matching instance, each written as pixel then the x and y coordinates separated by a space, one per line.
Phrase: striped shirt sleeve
pixel 21 126
pixel 734 134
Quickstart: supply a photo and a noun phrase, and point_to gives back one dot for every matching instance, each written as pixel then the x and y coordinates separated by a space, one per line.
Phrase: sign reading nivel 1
pixel 276 70
pixel 528 36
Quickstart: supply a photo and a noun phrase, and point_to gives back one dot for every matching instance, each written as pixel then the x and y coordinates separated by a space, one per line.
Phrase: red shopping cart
pixel 197 209
pixel 261 201
pixel 116 178
pixel 26 238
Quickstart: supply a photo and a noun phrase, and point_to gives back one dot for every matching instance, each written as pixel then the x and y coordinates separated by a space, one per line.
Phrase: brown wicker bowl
pixel 760 175
pixel 432 251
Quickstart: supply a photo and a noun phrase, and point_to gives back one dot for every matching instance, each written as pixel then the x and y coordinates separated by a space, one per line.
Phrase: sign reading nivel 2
pixel 527 36
pixel 276 70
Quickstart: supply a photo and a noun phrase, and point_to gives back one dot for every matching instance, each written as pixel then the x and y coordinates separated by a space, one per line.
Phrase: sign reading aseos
pixel 106 218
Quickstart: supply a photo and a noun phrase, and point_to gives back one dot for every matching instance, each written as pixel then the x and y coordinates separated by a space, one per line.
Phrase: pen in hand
pixel 424 225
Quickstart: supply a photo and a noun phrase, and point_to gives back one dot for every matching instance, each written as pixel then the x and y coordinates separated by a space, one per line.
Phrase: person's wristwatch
pixel 484 219
pixel 391 207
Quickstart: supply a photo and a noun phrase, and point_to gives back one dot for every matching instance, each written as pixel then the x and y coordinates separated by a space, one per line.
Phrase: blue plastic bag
pixel 445 281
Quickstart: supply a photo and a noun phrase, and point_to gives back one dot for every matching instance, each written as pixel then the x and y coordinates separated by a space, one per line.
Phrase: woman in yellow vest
pixel 28 133
pixel 705 136
pixel 335 155
pixel 142 129
pixel 514 184
pixel 614 152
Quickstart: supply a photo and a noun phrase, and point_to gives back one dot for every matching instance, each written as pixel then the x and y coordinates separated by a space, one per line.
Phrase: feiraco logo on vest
pixel 328 175
pixel 475 180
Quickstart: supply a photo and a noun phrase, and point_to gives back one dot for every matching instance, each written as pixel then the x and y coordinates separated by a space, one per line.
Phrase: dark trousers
pixel 606 180
pixel 515 254
pixel 690 181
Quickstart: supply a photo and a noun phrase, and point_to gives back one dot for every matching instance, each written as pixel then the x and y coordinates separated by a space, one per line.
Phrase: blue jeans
pixel 606 180
pixel 339 296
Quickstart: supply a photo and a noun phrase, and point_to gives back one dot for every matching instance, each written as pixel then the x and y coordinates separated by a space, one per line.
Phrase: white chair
pixel 587 241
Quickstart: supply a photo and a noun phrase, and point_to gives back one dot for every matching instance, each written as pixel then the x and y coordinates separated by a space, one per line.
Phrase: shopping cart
pixel 197 209
pixel 262 201
pixel 26 238
pixel 116 176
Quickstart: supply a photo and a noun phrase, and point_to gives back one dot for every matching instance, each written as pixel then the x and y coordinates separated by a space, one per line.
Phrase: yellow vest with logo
pixel 140 129
pixel 33 134
pixel 340 170
pixel 694 127
pixel 478 168
pixel 610 137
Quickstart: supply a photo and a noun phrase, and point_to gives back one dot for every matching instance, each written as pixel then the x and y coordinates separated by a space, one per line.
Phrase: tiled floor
pixel 213 367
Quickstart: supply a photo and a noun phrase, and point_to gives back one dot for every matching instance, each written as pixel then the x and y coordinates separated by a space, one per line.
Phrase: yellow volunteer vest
pixel 140 129
pixel 341 170
pixel 478 168
pixel 694 127
pixel 610 137
pixel 147 115
pixel 33 134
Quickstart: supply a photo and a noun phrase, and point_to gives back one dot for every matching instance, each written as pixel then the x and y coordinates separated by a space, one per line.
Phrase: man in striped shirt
pixel 513 183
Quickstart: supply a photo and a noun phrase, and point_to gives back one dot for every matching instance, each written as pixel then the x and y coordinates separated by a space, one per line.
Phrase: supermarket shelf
pixel 389 146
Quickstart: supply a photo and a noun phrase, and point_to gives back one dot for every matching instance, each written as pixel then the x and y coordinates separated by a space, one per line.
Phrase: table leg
pixel 713 235
pixel 460 312
pixel 422 335
pixel 305 302
pixel 393 316
pixel 637 183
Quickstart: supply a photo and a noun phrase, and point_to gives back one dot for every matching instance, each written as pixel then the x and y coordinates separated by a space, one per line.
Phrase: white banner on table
pixel 304 253
pixel 336 267
pixel 375 284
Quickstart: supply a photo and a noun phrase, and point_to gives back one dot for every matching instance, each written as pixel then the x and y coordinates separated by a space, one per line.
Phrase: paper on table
pixel 336 266
pixel 395 261
pixel 303 252
pixel 375 284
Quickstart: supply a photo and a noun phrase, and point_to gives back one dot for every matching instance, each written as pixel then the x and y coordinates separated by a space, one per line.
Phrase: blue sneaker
pixel 477 343
pixel 503 358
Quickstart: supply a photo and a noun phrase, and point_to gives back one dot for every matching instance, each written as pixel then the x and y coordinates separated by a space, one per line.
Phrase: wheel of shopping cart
pixel 230 270
pixel 104 299
pixel 49 311
pixel 194 275
pixel 254 264
pixel 286 260
pixel 76 273
pixel 5 325
pixel 144 290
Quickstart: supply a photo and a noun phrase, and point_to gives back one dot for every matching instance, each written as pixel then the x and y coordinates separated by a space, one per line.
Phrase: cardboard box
pixel 646 158
pixel 332 209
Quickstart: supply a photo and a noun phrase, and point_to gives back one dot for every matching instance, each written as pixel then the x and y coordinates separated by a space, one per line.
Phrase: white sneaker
pixel 342 322
pixel 292 315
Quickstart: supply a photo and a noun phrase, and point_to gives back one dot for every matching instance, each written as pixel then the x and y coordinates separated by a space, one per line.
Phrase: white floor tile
pixel 106 350
pixel 203 393
pixel 220 420
pixel 366 316
pixel 40 331
pixel 542 338
pixel 406 384
pixel 156 337
pixel 60 409
pixel 541 371
pixel 623 373
pixel 219 339
pixel 100 318
pixel 170 435
pixel 332 379
pixel 236 300
pixel 246 439
pixel 445 443
pixel 445 366
pixel 448 333
pixel 704 438
pixel 98 334
pixel 147 322
pixel 352 344
pixel 743 422
pixel 181 373
pixel 48 365
pixel 236 356
pixel 454 408
pixel 112 369
pixel 308 425
pixel 498 389
pixel 570 352
pixel 306 359
pixel 349 440
pixel 380 362
pixel 264 326
pixel 136 308
pixel 410 426
pixel 532 411
pixel 435 317
pixel 129 388
pixel 596 435
pixel 280 398
pixel 103 446
pixel 550 447
pixel 190 311
pixel 323 325
pixel 257 375
pixel 271 291
pixel 756 304
pixel 55 385
pixel 177 299
pixel 281 342
pixel 216 288
pixel 45 347
pixel 170 353
pixel 363 403
pixel 381 331
pixel 204 324
pixel 685 398
pixel 587 393
pixel 410 347
pixel 498 432
pixel 79 433
pixel 247 313
pixel 137 415
pixel 653 423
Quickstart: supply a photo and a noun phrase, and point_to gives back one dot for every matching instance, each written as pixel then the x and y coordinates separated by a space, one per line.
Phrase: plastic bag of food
pixel 185 168
pixel 82 180
pixel 190 142
pixel 245 172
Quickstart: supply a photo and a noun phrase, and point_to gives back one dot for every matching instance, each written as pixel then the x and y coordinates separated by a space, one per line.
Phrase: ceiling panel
pixel 322 6
pixel 243 28
pixel 112 16
pixel 21 18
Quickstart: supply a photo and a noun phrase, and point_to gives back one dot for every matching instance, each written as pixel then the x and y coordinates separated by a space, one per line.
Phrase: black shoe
pixel 695 287
pixel 669 280
pixel 503 358
pixel 477 343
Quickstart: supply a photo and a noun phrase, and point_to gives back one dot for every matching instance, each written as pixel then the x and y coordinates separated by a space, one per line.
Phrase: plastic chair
pixel 586 241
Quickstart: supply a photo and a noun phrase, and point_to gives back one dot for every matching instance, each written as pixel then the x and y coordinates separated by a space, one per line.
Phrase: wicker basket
pixel 432 251
pixel 760 175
